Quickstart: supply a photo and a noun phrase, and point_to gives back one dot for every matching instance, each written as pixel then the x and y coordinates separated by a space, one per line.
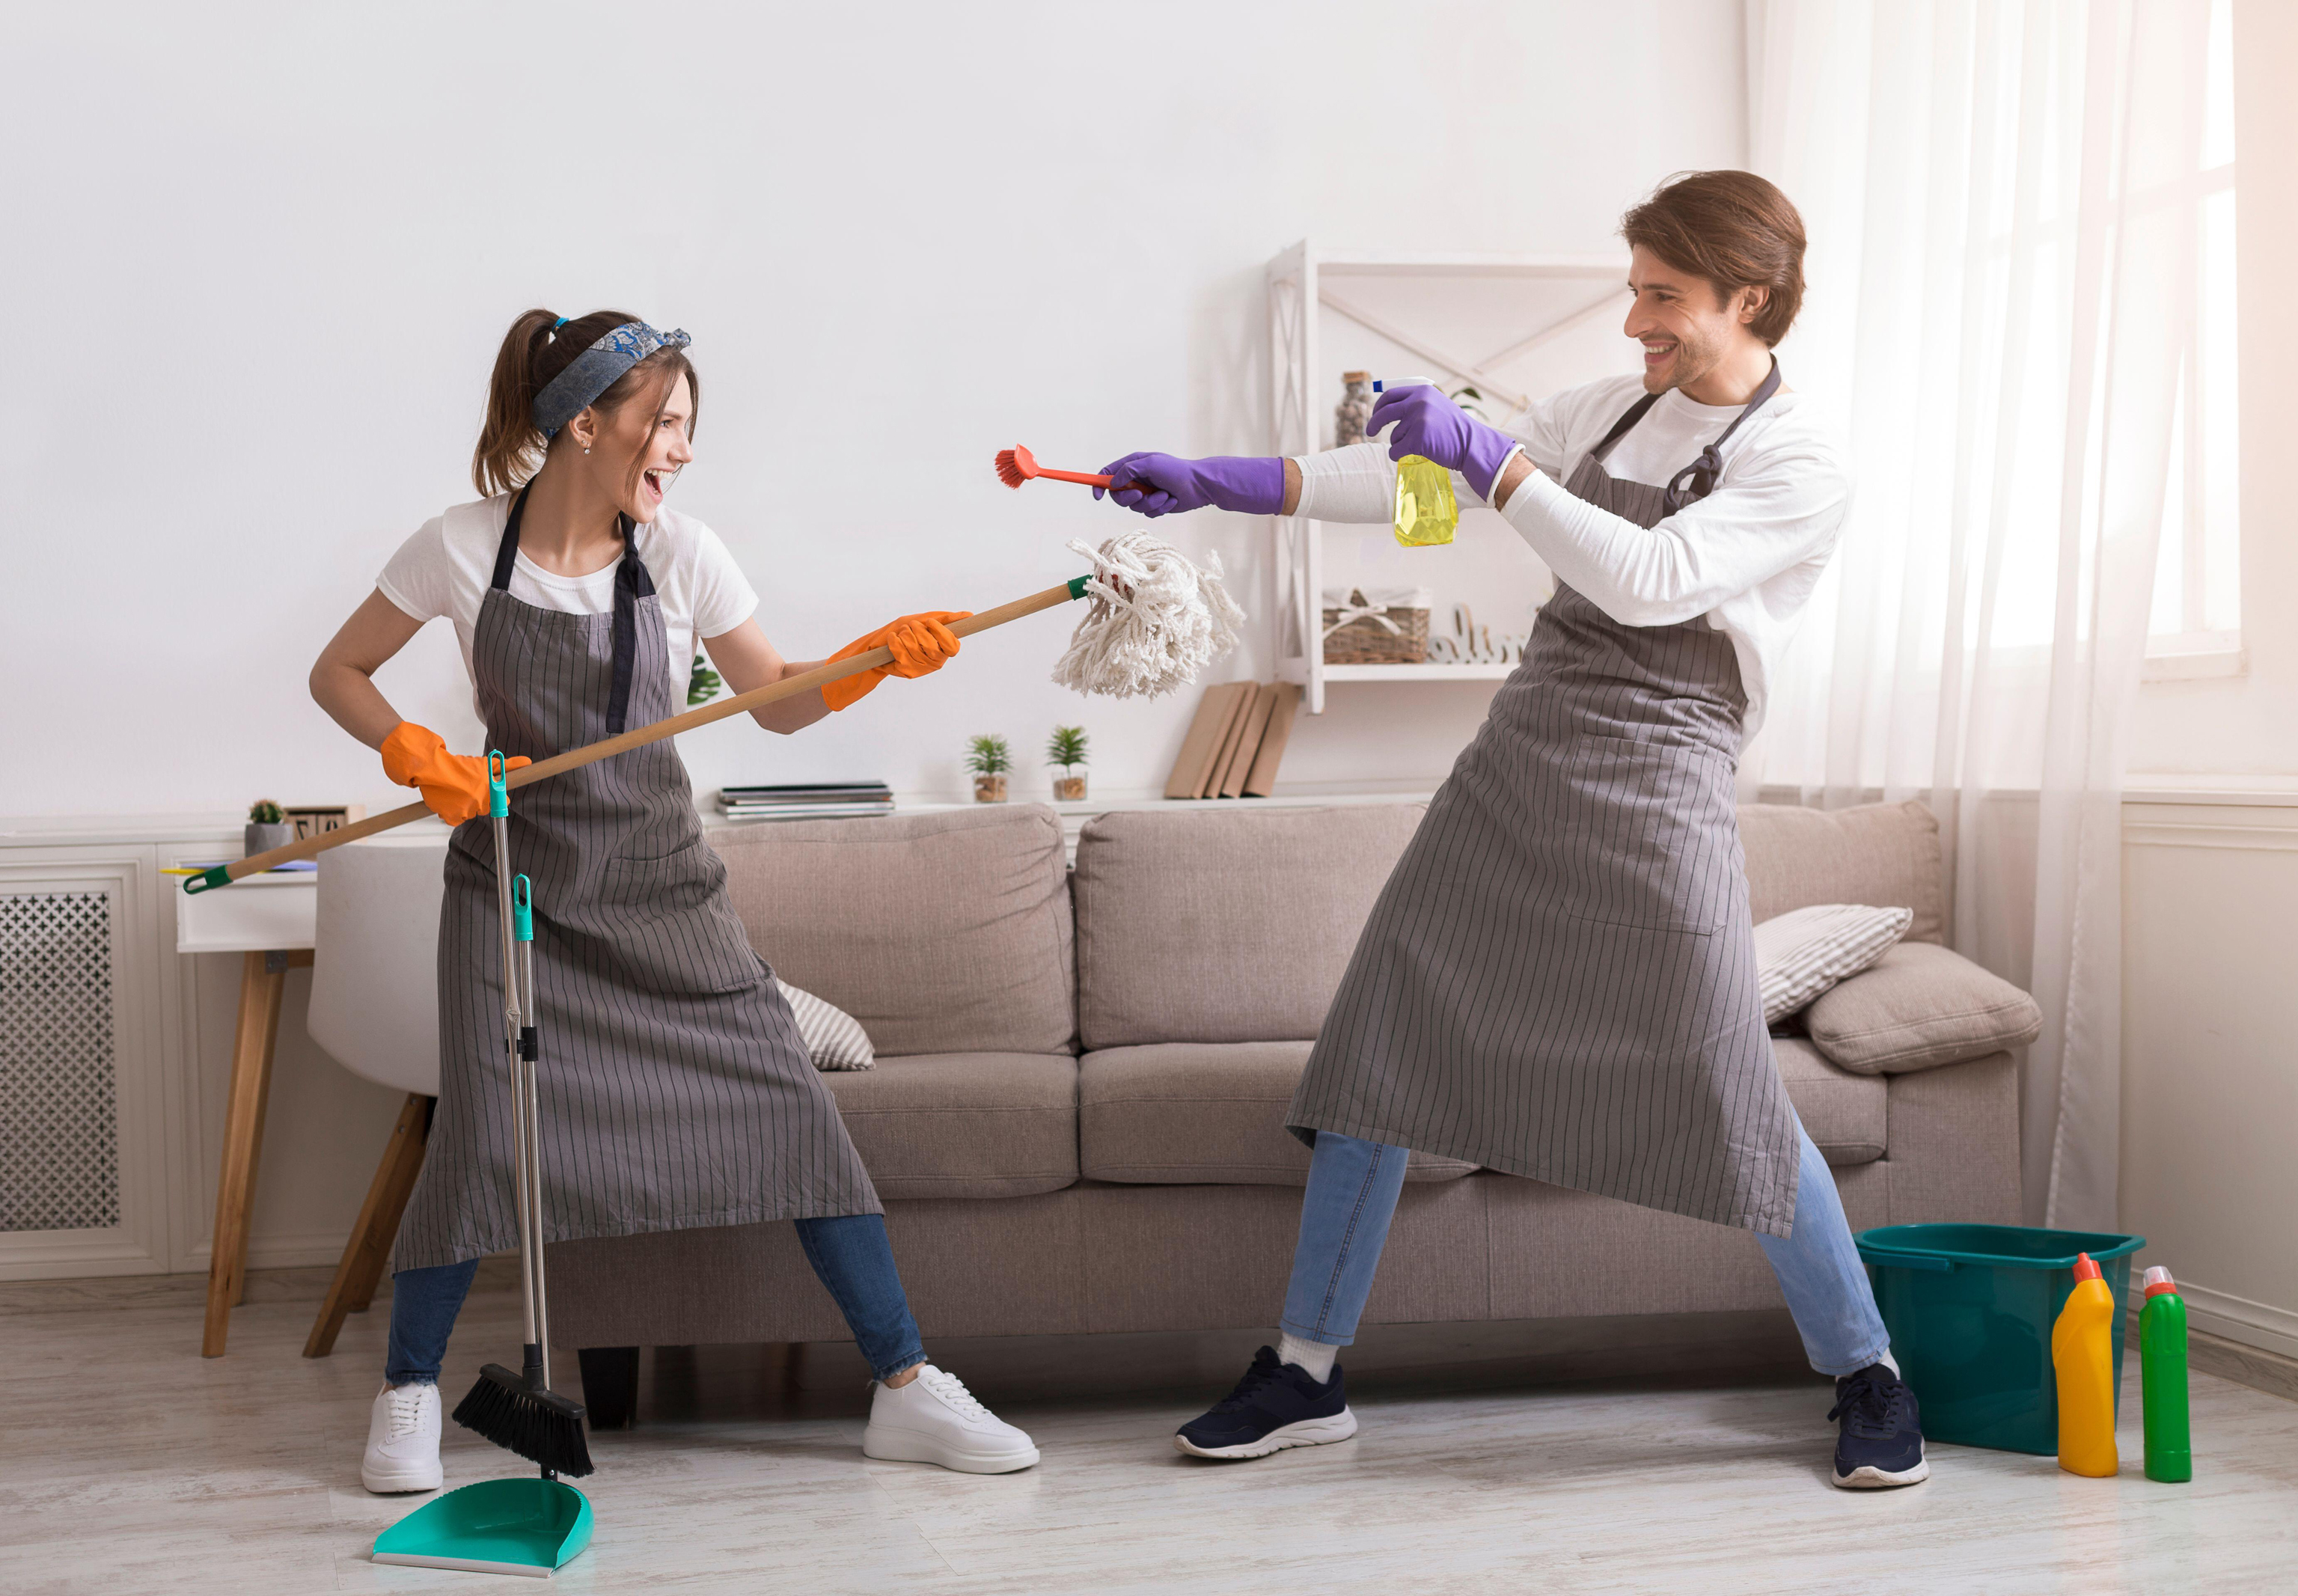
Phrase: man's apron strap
pixel 631 583
pixel 1696 481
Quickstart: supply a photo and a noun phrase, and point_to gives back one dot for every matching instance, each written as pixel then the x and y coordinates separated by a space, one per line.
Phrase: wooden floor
pixel 130 1464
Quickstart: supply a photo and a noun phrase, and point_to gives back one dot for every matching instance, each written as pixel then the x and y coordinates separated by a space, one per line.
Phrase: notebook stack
pixel 1235 743
pixel 818 800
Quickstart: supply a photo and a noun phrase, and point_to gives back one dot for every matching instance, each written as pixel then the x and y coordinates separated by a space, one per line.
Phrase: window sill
pixel 2195 657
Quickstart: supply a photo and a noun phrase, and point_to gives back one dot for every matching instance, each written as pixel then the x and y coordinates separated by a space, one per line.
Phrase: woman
pixel 1559 980
pixel 675 1091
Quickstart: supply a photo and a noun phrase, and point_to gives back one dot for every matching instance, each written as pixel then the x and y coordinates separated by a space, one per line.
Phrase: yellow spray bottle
pixel 1427 510
pixel 2082 1352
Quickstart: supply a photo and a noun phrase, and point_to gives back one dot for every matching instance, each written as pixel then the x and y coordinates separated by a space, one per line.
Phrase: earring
pixel 586 449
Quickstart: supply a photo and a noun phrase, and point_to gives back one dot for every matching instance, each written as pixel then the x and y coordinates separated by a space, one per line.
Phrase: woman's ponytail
pixel 539 346
pixel 510 446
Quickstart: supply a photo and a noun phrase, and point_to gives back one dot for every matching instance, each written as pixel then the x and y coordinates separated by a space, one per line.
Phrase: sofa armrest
pixel 1917 1007
pixel 1954 1143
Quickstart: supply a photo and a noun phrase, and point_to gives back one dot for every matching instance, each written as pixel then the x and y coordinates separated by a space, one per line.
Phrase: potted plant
pixel 703 683
pixel 988 758
pixel 1067 750
pixel 268 827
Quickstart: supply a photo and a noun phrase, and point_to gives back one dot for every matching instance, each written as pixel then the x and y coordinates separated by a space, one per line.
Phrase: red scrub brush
pixel 1017 465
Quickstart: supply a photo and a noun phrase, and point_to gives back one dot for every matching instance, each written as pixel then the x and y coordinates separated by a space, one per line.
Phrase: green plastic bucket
pixel 1970 1310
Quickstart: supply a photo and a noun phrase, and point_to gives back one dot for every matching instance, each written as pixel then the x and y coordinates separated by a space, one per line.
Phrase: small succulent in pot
pixel 989 758
pixel 1067 749
pixel 268 827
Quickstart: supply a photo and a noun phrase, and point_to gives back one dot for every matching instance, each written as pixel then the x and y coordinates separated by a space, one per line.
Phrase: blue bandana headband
pixel 597 369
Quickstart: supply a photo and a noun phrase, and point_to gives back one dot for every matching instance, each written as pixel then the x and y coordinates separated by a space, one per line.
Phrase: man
pixel 1559 979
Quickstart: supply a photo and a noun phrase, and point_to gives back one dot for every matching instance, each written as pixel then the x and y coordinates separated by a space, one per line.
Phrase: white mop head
pixel 1156 622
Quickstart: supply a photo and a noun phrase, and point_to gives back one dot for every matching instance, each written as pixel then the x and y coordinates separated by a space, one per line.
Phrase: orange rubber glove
pixel 920 644
pixel 455 785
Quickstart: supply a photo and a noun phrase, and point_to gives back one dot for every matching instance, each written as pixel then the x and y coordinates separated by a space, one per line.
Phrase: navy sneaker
pixel 1881 1444
pixel 1274 1406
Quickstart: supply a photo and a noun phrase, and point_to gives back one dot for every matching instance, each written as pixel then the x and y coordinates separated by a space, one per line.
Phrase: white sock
pixel 1313 1358
pixel 1888 1361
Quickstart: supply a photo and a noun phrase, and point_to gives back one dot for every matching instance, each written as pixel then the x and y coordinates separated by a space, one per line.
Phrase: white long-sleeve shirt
pixel 1746 558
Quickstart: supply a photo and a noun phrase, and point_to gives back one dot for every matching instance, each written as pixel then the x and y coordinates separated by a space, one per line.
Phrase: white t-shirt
pixel 447 566
pixel 1746 558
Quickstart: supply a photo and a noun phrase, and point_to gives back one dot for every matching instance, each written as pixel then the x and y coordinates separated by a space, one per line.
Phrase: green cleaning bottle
pixel 1426 512
pixel 2163 1363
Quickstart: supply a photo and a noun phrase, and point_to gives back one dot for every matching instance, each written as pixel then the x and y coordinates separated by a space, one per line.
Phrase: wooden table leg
pixel 263 978
pixel 369 1247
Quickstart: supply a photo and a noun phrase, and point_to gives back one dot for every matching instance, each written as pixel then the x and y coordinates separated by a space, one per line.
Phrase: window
pixel 2196 625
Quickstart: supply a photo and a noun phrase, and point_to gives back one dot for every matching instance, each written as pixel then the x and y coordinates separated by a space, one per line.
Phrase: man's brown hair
pixel 1735 229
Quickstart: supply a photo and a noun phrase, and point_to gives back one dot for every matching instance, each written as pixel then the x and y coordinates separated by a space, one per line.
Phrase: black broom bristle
pixel 539 1425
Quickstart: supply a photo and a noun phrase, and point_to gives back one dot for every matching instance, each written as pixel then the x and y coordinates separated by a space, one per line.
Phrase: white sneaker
pixel 402 1441
pixel 935 1419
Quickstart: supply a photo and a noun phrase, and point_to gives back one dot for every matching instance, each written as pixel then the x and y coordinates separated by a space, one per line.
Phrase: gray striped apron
pixel 674 1092
pixel 1559 979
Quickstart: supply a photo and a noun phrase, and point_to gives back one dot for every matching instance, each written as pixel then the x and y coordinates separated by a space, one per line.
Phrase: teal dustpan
pixel 496 1526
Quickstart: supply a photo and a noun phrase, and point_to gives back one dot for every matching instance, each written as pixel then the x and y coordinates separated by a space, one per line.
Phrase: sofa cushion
pixel 963 1124
pixel 1225 925
pixel 1882 854
pixel 940 933
pixel 1919 1006
pixel 1804 952
pixel 1180 1113
pixel 1847 1115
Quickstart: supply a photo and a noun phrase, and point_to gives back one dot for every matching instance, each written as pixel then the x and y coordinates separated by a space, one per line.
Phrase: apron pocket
pixel 668 927
pixel 1652 838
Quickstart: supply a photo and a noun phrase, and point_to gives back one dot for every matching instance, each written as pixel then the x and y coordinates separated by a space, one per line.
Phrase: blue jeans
pixel 1352 1191
pixel 850 1255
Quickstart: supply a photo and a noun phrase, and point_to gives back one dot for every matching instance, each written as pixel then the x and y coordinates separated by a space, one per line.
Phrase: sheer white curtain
pixel 2003 230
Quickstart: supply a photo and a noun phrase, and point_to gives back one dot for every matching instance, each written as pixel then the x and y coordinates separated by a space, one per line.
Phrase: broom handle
pixel 789 687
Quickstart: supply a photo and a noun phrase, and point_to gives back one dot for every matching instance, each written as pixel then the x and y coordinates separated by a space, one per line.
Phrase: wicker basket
pixel 1365 640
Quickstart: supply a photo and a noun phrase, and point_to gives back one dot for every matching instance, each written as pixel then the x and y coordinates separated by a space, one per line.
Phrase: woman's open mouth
pixel 658 480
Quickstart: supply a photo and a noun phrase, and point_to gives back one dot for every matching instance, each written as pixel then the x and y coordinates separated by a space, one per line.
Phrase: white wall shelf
pixel 1417 672
pixel 1553 313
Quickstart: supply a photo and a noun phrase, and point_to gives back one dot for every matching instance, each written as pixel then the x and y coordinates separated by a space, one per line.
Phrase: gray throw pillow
pixel 834 1040
pixel 1921 1005
pixel 1804 952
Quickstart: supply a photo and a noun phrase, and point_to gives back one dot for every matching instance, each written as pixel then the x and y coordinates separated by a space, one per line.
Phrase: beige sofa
pixel 1075 1116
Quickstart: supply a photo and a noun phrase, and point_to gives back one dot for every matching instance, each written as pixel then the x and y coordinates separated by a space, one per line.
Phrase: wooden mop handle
pixel 789 687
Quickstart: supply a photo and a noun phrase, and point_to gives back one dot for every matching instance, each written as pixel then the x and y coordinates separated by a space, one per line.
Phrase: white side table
pixel 271 921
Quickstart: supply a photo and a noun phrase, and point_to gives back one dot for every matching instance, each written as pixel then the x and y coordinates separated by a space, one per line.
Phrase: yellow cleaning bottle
pixel 2082 1354
pixel 1426 512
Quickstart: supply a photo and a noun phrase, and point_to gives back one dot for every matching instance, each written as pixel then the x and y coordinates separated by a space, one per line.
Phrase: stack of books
pixel 816 800
pixel 1235 743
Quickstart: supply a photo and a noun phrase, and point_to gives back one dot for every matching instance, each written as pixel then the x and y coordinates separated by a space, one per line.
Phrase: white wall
pixel 264 256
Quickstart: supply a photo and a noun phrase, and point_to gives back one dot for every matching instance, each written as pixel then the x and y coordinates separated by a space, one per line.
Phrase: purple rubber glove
pixel 1432 427
pixel 1251 487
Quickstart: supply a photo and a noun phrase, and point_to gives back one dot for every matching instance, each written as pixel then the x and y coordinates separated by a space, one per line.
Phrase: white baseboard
pixel 2239 1319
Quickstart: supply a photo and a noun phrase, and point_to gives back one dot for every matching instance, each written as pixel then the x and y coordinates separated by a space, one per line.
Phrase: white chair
pixel 374 1009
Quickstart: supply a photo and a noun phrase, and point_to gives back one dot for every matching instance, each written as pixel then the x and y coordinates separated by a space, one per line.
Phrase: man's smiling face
pixel 1687 329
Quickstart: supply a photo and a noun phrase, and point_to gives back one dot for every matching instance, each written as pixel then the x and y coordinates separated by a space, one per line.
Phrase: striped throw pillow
pixel 834 1040
pixel 1801 954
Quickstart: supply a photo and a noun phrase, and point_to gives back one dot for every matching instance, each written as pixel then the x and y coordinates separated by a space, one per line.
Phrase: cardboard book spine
pixel 1260 781
pixel 1216 714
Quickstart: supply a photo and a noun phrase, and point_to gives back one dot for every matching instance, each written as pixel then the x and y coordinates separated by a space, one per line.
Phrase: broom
pixel 1156 621
pixel 518 1410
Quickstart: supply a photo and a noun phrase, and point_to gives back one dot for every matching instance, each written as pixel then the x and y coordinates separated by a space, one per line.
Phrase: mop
pixel 516 1525
pixel 1156 621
